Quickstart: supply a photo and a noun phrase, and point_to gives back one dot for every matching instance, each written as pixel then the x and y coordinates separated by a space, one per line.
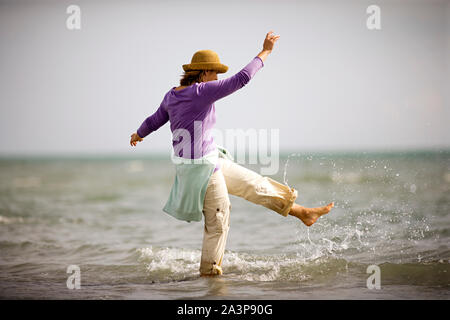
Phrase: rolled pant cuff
pixel 290 202
pixel 211 270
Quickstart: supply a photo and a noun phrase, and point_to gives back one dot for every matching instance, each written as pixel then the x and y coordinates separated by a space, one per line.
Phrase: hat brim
pixel 218 67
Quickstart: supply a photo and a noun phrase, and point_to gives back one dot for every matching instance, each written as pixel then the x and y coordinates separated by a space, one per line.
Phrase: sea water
pixel 104 216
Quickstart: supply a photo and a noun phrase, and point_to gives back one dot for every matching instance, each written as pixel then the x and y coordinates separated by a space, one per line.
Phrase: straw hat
pixel 205 60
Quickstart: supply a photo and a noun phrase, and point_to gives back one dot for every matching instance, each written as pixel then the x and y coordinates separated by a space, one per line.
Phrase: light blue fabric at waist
pixel 191 180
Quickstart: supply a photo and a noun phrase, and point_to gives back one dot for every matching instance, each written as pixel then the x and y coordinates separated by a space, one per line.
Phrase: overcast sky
pixel 330 83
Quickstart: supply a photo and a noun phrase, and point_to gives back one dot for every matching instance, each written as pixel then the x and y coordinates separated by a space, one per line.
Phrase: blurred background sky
pixel 329 84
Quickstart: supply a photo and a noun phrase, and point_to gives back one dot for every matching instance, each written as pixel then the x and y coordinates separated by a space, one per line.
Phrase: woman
pixel 203 188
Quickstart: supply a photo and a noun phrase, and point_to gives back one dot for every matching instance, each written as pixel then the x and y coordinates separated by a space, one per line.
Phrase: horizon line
pixel 283 153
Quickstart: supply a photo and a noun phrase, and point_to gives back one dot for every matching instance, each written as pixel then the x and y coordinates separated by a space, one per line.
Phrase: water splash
pixel 177 264
pixel 164 264
pixel 286 165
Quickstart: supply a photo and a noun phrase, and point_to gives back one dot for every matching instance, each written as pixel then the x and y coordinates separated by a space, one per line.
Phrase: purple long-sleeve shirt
pixel 192 112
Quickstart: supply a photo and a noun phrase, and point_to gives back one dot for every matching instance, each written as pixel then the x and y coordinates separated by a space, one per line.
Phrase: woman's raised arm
pixel 211 91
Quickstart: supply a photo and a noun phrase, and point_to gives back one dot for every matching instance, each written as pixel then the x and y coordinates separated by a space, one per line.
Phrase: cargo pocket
pixel 222 217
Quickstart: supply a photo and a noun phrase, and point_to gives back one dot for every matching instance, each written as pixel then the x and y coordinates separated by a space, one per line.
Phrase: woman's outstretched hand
pixel 269 41
pixel 268 44
pixel 135 139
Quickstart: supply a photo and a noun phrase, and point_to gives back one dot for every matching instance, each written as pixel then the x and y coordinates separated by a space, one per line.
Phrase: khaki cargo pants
pixel 234 179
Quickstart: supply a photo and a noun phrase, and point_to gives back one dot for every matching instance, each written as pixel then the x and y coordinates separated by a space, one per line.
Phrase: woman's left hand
pixel 135 139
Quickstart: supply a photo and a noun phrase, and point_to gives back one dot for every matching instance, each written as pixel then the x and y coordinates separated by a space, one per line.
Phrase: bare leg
pixel 309 215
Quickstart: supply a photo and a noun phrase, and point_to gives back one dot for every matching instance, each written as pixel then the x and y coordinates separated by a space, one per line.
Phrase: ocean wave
pixel 11 220
pixel 29 245
pixel 430 273
pixel 172 264
pixel 176 264
pixel 282 267
pixel 26 182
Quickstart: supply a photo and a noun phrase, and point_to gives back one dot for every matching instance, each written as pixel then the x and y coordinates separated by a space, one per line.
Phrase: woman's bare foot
pixel 309 215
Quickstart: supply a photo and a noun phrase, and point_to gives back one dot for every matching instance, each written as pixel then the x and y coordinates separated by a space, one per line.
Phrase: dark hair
pixel 190 77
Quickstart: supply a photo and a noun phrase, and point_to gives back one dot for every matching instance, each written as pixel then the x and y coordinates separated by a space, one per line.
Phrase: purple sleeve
pixel 153 122
pixel 214 90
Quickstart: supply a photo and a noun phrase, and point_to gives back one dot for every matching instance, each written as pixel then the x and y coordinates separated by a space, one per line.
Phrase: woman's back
pixel 191 111
pixel 191 121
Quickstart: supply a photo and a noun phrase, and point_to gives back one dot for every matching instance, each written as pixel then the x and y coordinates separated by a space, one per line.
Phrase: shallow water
pixel 104 215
